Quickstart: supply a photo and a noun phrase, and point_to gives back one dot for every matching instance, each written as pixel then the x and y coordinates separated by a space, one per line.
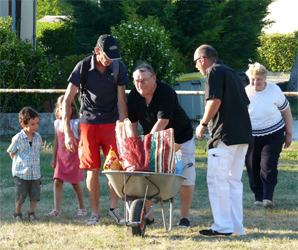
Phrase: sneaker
pixel 149 222
pixel 184 223
pixel 268 204
pixel 117 215
pixel 258 203
pixel 32 217
pixel 210 232
pixel 18 216
pixel 82 212
pixel 93 219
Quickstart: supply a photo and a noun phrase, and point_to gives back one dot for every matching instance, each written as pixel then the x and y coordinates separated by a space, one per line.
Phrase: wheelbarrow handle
pixel 188 165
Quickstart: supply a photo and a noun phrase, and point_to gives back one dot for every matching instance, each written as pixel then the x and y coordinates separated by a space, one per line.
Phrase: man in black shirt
pixel 229 126
pixel 155 105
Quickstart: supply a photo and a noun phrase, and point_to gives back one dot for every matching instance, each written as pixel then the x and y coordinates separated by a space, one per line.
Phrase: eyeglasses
pixel 143 81
pixel 199 59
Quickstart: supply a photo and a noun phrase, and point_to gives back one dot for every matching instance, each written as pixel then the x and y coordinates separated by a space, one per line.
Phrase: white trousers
pixel 225 167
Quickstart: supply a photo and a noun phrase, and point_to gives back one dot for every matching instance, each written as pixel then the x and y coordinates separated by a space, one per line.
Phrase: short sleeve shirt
pixel 231 124
pixel 264 109
pixel 164 105
pixel 101 92
pixel 74 126
pixel 26 162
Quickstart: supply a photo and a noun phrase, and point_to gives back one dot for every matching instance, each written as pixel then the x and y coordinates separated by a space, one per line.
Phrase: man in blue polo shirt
pixel 98 120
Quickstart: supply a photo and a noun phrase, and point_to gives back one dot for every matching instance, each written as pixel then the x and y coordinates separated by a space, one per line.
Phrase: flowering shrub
pixel 147 41
pixel 23 67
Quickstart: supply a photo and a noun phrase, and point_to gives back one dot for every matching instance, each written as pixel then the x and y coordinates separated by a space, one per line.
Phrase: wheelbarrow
pixel 137 187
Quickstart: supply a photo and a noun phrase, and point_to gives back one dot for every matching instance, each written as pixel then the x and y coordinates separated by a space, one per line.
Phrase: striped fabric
pixel 150 153
pixel 26 162
pixel 284 105
pixel 270 130
pixel 162 153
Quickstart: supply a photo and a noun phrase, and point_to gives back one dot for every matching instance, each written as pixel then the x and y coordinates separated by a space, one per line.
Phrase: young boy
pixel 25 150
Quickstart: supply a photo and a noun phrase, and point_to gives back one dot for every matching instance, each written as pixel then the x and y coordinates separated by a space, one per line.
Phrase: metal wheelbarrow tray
pixel 136 187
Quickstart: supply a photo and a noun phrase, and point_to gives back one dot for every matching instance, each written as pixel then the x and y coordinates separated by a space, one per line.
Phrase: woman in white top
pixel 271 121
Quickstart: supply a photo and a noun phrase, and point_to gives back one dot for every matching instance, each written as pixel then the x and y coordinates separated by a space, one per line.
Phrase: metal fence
pixel 56 91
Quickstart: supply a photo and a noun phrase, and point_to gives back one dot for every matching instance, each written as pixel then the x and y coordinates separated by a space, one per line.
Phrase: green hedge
pixel 23 67
pixel 67 66
pixel 58 39
pixel 277 51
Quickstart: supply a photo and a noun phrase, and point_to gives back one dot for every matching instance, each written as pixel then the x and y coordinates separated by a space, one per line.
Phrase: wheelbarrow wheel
pixel 136 215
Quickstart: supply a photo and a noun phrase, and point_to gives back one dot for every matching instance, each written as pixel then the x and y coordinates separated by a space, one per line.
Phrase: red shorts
pixel 92 137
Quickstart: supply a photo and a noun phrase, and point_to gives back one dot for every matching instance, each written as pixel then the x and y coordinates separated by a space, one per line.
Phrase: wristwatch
pixel 204 124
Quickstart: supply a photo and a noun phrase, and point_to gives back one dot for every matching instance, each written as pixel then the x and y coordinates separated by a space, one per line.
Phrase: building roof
pixel 53 19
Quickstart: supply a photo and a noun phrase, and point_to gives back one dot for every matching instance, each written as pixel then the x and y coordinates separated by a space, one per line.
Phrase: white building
pixel 23 13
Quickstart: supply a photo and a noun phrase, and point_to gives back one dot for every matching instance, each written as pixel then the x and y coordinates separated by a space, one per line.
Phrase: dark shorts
pixel 25 187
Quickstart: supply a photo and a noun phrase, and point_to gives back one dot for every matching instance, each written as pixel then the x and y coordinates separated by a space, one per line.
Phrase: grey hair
pixel 256 69
pixel 143 68
pixel 208 52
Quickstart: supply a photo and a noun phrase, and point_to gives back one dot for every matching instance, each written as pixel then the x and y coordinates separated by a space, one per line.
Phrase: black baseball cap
pixel 109 46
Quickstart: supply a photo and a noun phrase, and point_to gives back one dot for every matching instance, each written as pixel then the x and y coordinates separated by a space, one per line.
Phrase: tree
pixel 53 8
pixel 93 18
pixel 232 27
pixel 293 83
pixel 147 41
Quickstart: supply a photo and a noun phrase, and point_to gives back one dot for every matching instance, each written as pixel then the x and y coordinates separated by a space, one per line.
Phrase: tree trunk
pixel 293 83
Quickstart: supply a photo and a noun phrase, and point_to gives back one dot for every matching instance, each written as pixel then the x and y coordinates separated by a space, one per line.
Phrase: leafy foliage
pixel 57 38
pixel 67 65
pixel 277 51
pixel 231 27
pixel 53 8
pixel 23 67
pixel 92 19
pixel 147 41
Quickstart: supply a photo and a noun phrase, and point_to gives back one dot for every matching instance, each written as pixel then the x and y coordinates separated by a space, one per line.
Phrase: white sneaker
pixel 258 203
pixel 117 215
pixel 93 219
pixel 268 204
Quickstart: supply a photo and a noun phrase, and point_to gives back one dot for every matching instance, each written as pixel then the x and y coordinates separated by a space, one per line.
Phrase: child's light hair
pixel 256 69
pixel 74 111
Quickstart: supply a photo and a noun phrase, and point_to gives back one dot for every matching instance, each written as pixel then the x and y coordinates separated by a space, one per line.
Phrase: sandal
pixel 18 216
pixel 54 213
pixel 82 212
pixel 32 217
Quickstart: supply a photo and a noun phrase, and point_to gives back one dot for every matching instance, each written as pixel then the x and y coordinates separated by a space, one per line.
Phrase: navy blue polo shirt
pixel 101 92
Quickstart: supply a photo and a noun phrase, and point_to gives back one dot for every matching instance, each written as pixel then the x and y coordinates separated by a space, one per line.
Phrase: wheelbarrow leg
pixel 127 206
pixel 171 214
pixel 163 216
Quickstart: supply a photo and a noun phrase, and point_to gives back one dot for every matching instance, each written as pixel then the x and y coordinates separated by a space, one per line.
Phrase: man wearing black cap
pixel 98 118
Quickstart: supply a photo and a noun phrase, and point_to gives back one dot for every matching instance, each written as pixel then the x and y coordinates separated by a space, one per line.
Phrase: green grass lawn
pixel 276 229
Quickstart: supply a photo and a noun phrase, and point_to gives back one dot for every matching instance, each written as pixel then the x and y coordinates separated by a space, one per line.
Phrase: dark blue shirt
pixel 101 92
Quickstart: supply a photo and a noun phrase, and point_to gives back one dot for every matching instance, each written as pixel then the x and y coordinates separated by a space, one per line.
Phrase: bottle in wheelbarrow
pixel 136 215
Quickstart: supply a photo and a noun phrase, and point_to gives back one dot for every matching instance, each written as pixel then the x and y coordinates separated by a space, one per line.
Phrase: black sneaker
pixel 149 222
pixel 18 216
pixel 184 223
pixel 210 232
